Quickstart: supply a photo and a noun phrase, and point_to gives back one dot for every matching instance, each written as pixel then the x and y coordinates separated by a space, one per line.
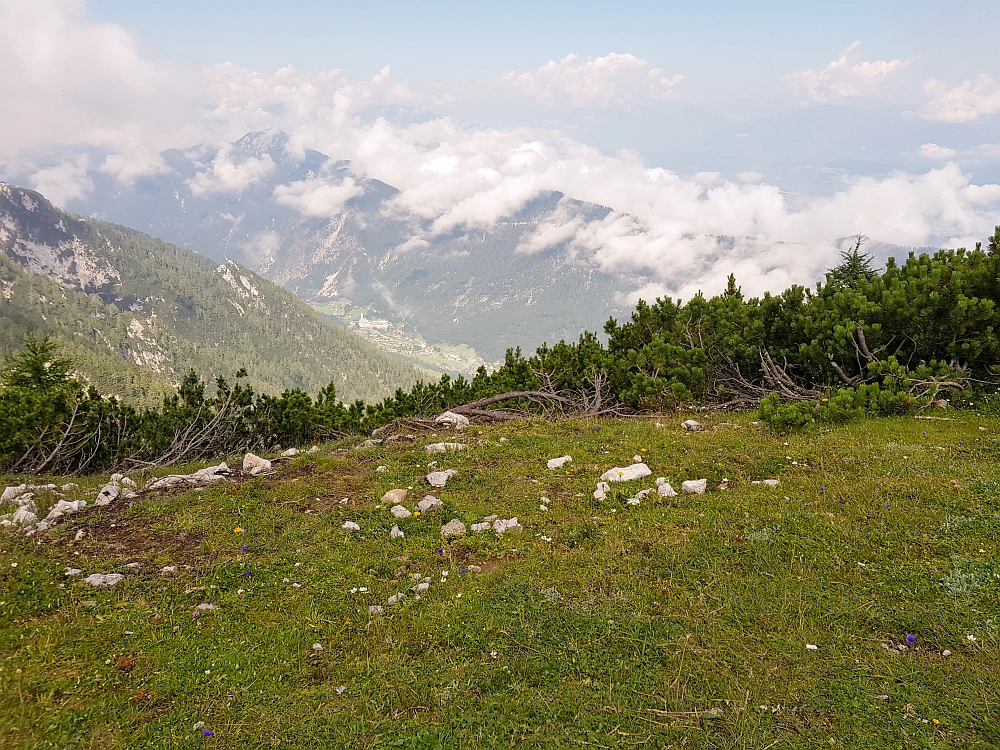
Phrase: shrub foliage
pixel 864 341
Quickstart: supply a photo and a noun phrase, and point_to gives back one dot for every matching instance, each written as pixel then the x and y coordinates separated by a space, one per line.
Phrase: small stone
pixel 454 527
pixel 376 610
pixel 350 526
pixel 207 607
pixel 393 497
pixel 475 569
pixel 104 579
pixel 440 478
pixel 396 533
pixel 602 490
pixel 168 569
pixel 314 449
pixel 663 488
pixel 812 647
pixel 398 511
pixel 946 653
pixel 451 419
pixel 290 453
pixel 478 527
pixel 255 464
pixel 692 426
pixel 429 503
pixel 317 647
pixel 627 473
pixel 443 447
pixel 381 469
pixel 694 486
pixel 502 526
pixel 73 571
pixel 558 463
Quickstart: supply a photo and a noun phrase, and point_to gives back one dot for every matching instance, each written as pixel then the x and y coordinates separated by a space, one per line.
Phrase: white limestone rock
pixel 627 473
pixel 290 453
pixel 104 579
pixel 454 527
pixel 443 447
pixel 108 494
pixel 502 525
pixel 694 486
pixel 558 463
pixel 398 511
pixel 350 526
pixel 440 478
pixel 393 497
pixel 376 610
pixel 429 503
pixel 479 527
pixel 663 488
pixel 255 464
pixel 396 533
pixel 602 490
pixel 201 478
pixel 451 419
pixel 692 426
pixel 64 508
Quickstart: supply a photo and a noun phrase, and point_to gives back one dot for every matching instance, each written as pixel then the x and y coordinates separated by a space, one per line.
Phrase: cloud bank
pixel 676 234
pixel 965 103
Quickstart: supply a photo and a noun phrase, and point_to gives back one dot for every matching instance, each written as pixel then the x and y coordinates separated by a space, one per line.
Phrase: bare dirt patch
pixel 134 540
pixel 346 481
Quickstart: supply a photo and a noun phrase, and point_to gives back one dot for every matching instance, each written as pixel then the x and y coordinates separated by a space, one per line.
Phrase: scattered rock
pixel 201 478
pixel 168 569
pixel 108 494
pixel 558 463
pixel 394 599
pixel 396 533
pixel 946 653
pixel 627 473
pixel 440 478
pixel 639 496
pixel 484 526
pixel 206 607
pixel 376 610
pixel 475 569
pixel 65 507
pixel 694 486
pixel 350 526
pixel 398 511
pixel 502 440
pixel 602 490
pixel 255 464
pixel 429 503
pixel 317 647
pixel 393 497
pixel 314 449
pixel 663 488
pixel 290 453
pixel 451 419
pixel 104 579
pixel 454 527
pixel 692 426
pixel 370 443
pixel 382 469
pixel 443 447
pixel 501 526
pixel 73 572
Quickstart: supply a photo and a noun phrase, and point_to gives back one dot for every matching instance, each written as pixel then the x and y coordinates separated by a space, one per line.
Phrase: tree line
pixel 866 341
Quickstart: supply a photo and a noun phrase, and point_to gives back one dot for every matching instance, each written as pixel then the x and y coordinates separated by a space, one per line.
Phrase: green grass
pixel 679 623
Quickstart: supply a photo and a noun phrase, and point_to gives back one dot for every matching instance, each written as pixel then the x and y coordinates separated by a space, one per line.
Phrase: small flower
pixel 888 504
pixel 910 638
pixel 248 573
pixel 207 733
pixel 461 570
pixel 238 530
pixel 597 429
pixel 961 442
pixel 825 400
pixel 925 432
pixel 416 512
pixel 243 548
pixel 440 551
pixel 196 614
pixel 822 489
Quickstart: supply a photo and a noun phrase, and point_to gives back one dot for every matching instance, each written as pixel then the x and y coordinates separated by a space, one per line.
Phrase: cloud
pixel 229 175
pixel 613 80
pixel 934 151
pixel 68 180
pixel 965 103
pixel 842 79
pixel 317 197
pixel 71 82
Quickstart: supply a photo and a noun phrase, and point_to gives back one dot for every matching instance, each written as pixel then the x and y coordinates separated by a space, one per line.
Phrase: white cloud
pixel 228 175
pixel 317 197
pixel 613 80
pixel 936 152
pixel 844 79
pixel 749 176
pixel 64 182
pixel 965 103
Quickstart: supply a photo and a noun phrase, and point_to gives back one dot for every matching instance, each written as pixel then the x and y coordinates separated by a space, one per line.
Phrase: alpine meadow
pixel 367 381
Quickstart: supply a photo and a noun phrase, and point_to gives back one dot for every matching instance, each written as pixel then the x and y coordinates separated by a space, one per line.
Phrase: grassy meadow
pixel 681 622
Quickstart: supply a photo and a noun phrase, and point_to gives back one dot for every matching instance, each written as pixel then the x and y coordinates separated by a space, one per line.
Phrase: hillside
pixel 137 313
pixel 463 287
pixel 855 602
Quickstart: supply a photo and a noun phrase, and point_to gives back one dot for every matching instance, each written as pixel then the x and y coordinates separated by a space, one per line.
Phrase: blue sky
pixel 785 125
pixel 719 45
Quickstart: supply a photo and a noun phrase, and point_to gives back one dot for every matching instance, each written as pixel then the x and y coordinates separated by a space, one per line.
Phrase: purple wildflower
pixel 440 551
pixel 887 505
pixel 461 570
pixel 207 733
pixel 248 573
pixel 822 489
pixel 910 638
pixel 961 442
pixel 243 548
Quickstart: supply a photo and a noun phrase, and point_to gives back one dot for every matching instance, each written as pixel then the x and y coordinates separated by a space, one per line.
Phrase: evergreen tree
pixel 854 266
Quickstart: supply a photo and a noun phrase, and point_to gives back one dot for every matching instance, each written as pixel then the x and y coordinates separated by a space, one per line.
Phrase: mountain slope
pixel 138 313
pixel 464 287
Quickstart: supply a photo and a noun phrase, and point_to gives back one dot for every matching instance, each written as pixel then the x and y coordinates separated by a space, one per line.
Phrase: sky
pixel 785 125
